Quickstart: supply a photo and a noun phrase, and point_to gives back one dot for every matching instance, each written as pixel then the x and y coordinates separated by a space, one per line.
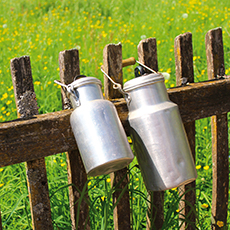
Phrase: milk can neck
pixel 146 90
pixel 85 90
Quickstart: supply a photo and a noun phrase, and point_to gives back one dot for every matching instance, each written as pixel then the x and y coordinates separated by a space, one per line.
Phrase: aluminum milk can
pixel 98 131
pixel 158 135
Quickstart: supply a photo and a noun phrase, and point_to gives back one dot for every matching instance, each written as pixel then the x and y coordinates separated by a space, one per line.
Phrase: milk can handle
pixel 70 89
pixel 118 87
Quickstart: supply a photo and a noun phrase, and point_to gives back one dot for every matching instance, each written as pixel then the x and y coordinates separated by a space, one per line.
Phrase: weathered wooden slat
pixel 112 63
pixel 36 170
pixel 200 100
pixel 69 68
pixel 46 134
pixel 185 74
pixel 147 55
pixel 36 137
pixel 219 123
pixel 184 59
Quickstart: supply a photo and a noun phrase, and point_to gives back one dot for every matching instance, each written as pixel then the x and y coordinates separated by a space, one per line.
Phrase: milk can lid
pixel 85 81
pixel 144 80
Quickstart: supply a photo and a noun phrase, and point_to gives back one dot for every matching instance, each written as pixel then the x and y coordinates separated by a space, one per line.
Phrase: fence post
pixel 36 170
pixel 112 64
pixel 185 74
pixel 69 68
pixel 219 124
pixel 147 55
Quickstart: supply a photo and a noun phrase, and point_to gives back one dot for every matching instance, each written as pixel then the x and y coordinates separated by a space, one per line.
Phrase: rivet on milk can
pixel 98 131
pixel 159 138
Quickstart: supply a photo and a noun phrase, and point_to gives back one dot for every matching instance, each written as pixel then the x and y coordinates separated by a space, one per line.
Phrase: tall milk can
pixel 98 131
pixel 158 135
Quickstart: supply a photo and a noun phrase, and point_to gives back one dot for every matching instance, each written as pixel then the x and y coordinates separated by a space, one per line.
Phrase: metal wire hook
pixel 70 89
pixel 118 87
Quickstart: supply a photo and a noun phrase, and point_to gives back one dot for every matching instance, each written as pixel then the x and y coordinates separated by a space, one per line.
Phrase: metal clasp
pixel 70 89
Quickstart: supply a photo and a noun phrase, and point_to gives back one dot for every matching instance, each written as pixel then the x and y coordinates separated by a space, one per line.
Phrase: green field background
pixel 41 29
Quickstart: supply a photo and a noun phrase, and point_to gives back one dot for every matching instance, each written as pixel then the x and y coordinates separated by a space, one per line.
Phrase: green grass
pixel 41 29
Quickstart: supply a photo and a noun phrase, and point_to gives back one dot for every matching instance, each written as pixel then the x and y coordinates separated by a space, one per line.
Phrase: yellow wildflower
pixel 37 82
pixel 204 205
pixel 220 223
pixel 206 167
pixel 1 169
pixel 108 180
pixel 89 183
pixel 4 96
pixel 63 164
pixel 198 166
pixel 1 185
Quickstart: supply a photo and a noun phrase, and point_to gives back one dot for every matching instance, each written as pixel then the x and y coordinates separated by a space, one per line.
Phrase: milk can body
pixel 98 131
pixel 158 135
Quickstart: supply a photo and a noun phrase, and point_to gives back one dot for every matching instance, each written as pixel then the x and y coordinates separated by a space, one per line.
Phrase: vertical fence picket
pixel 147 55
pixel 219 123
pixel 36 170
pixel 112 64
pixel 69 68
pixel 185 74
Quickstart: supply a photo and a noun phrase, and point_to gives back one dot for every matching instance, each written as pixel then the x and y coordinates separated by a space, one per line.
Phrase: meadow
pixel 41 29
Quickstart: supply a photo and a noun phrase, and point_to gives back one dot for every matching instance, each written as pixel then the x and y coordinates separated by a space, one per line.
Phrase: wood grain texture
pixel 112 64
pixel 219 123
pixel 200 100
pixel 185 74
pixel 69 69
pixel 147 53
pixel 184 59
pixel 36 170
pixel 48 134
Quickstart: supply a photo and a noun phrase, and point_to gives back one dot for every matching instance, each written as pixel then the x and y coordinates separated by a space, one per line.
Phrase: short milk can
pixel 158 135
pixel 98 131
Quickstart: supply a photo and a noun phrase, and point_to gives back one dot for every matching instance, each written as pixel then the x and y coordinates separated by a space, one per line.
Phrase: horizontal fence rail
pixel 32 137
pixel 47 134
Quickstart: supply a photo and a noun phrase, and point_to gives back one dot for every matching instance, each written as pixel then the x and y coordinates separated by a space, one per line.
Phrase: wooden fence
pixel 33 137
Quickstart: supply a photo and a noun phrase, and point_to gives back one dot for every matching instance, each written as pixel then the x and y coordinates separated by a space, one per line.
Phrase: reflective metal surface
pixel 158 135
pixel 99 134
